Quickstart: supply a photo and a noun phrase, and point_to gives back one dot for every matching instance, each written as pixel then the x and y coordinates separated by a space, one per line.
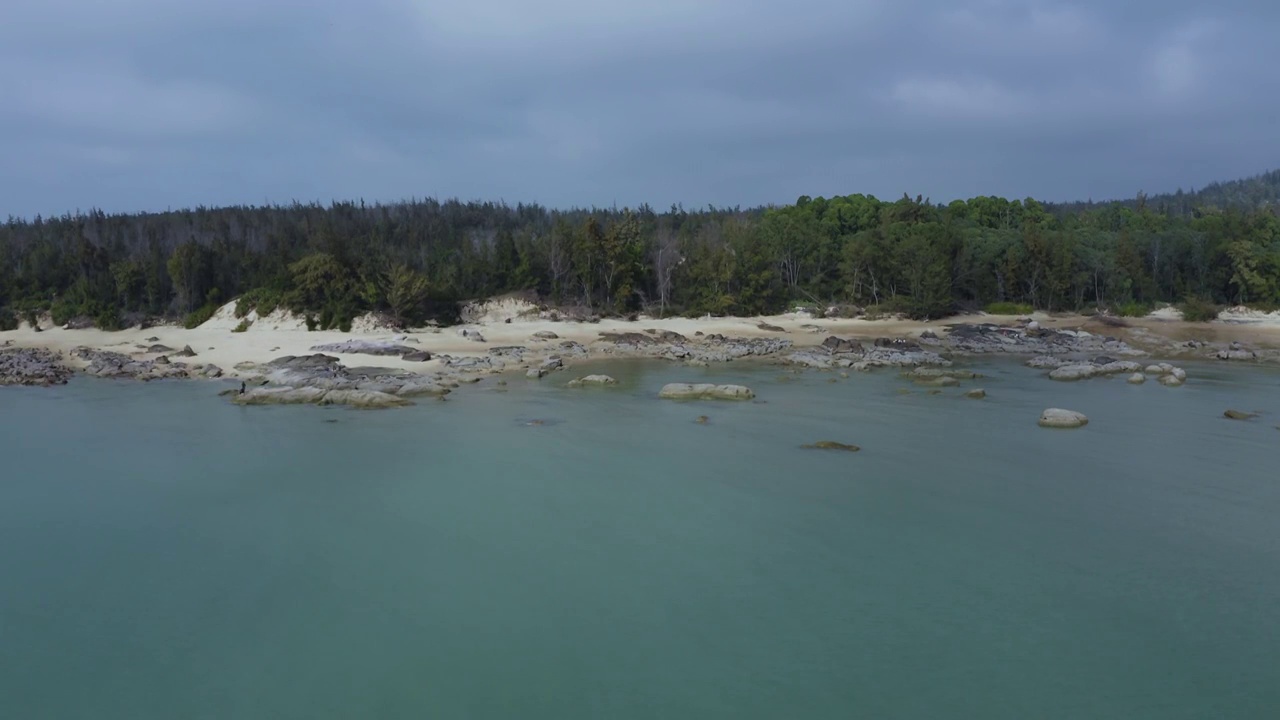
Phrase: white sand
pixel 281 334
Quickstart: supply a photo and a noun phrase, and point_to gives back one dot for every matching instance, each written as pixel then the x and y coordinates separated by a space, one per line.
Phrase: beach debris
pixel 1060 418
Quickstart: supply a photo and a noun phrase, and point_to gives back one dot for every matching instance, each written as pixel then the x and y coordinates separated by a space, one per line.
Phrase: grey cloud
pixel 147 104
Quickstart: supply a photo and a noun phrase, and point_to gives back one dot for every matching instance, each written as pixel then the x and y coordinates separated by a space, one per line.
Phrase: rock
pixel 942 381
pixel 1116 367
pixel 364 347
pixel 1045 362
pixel 976 394
pixel 416 356
pixel 1059 418
pixel 153 339
pixel 1236 354
pixel 187 352
pixel 1179 373
pixel 770 328
pixel 598 380
pixel 1239 415
pixel 279 396
pixel 1073 372
pixel 470 334
pixel 702 420
pixel 1137 379
pixel 1033 325
pixel 1171 380
pixel 363 399
pixel 831 445
pixel 159 349
pixel 162 360
pixel 545 335
pixel 705 391
pixel 32 366
pixel 926 372
pixel 211 371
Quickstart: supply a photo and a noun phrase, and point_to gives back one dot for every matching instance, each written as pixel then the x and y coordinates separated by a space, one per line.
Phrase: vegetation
pixel 415 261
pixel 8 321
pixel 1009 308
pixel 242 326
pixel 1198 309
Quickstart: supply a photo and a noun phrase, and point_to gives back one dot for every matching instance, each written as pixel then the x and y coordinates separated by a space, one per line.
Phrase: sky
pixel 143 105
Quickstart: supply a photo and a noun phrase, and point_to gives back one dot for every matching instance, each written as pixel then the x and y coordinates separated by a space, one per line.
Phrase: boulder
pixel 976 394
pixel 212 371
pixel 1059 418
pixel 1137 379
pixel 1116 367
pixel 545 335
pixel 416 356
pixel 159 349
pixel 279 396
pixel 1068 373
pixel 363 399
pixel 187 352
pixel 705 391
pixel 1239 415
pixel 1171 380
pixel 770 328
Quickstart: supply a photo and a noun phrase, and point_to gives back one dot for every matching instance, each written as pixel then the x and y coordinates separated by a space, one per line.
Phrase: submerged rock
pixel 1059 418
pixel 705 391
pixel 1239 415
pixel 831 445
pixel 598 380
pixel 976 394
pixel 1171 380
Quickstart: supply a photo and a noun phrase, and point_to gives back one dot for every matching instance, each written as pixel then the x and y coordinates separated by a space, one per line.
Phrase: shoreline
pixel 512 345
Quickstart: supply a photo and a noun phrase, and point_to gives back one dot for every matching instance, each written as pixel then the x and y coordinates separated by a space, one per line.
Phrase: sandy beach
pixel 506 324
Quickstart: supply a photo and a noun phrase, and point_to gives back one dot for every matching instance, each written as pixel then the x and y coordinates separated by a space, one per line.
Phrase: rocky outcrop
pixel 991 338
pixel 1082 371
pixel 705 391
pixel 107 364
pixel 838 352
pixel 364 347
pixel 1059 418
pixel 32 366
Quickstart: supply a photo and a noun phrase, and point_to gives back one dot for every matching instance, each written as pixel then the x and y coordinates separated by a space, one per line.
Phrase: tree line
pixel 417 260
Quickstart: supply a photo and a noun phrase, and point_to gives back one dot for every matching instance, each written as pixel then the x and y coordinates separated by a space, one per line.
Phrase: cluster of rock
pixel 1104 366
pixel 322 380
pixel 1030 339
pixel 841 353
pixel 108 364
pixel 707 349
pixel 32 366
pixel 374 347
pixel 705 391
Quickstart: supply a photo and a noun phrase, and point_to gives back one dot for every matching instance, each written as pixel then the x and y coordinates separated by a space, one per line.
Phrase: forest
pixel 416 261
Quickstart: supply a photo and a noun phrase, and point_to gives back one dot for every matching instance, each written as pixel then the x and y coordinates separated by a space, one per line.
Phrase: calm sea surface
pixel 164 554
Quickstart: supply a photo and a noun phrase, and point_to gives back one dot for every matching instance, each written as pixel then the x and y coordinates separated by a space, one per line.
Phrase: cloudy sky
pixel 148 104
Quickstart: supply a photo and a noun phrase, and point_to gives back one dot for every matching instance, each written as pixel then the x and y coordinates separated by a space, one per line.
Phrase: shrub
pixel 312 323
pixel 8 321
pixel 107 318
pixel 1009 308
pixel 63 311
pixel 1132 309
pixel 264 300
pixel 243 326
pixel 1198 310
pixel 199 317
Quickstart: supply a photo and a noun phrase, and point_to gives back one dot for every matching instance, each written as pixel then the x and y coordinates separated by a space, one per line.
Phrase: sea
pixel 530 550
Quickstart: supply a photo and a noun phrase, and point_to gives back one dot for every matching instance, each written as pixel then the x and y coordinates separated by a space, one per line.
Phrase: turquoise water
pixel 165 554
